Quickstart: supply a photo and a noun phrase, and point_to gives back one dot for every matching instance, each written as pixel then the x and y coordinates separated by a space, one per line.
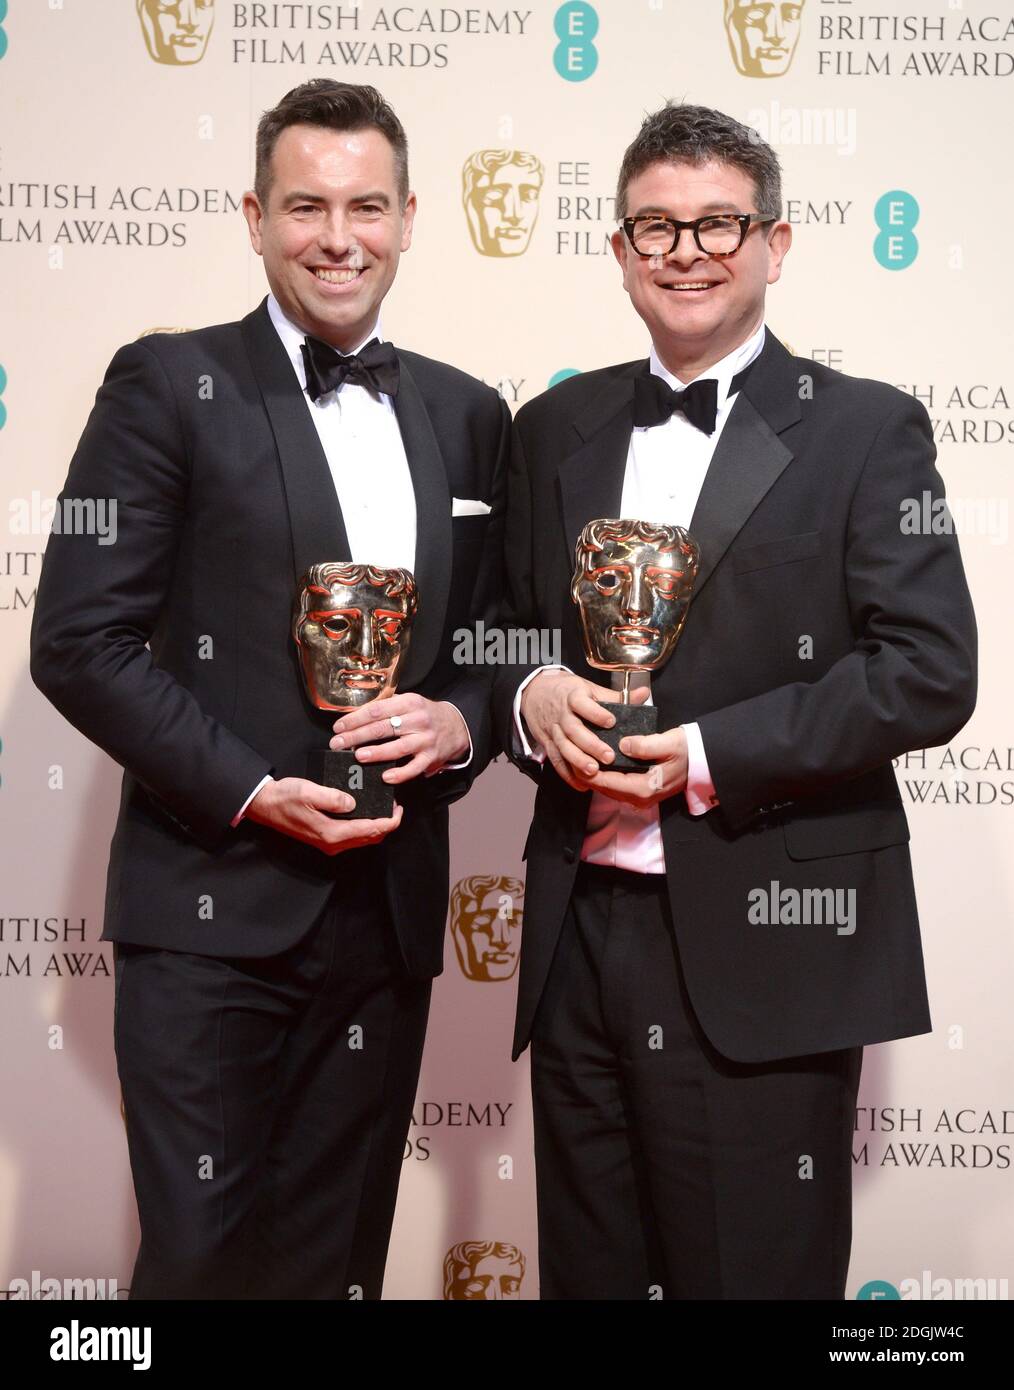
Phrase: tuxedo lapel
pixel 315 516
pixel 591 478
pixel 433 526
pixel 749 455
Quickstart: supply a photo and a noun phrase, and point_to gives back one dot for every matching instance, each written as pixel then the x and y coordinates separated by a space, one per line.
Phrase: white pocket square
pixel 468 506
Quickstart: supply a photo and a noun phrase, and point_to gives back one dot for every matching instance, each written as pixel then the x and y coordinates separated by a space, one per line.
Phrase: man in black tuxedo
pixel 708 944
pixel 274 963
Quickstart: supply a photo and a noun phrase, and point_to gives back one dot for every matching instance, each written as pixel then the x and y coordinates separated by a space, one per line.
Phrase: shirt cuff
pixel 522 748
pixel 242 810
pixel 700 790
pixel 450 767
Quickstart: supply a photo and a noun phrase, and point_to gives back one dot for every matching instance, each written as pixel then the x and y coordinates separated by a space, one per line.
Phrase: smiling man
pixel 695 1059
pixel 274 962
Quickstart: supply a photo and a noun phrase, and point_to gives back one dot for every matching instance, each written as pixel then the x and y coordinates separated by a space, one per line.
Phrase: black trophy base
pixel 630 719
pixel 340 768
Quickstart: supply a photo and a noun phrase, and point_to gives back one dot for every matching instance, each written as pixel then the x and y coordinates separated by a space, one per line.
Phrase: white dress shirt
pixel 665 471
pixel 375 491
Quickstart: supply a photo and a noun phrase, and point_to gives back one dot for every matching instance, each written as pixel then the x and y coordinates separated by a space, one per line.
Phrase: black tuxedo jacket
pixel 224 497
pixel 799 524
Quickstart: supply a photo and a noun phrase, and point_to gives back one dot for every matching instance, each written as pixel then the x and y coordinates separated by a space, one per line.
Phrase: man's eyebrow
pixel 374 197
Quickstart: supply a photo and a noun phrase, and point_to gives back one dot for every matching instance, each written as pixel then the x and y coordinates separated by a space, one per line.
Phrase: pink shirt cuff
pixel 700 792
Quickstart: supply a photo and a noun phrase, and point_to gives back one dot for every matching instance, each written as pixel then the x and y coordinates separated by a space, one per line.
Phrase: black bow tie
pixel 655 400
pixel 374 366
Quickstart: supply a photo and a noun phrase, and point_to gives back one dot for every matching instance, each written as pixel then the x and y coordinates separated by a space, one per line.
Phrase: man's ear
pixel 618 241
pixel 253 214
pixel 408 221
pixel 622 252
pixel 778 245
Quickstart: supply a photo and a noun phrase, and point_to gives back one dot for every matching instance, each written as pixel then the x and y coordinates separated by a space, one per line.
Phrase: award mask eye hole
pixel 606 581
pixel 391 628
pixel 336 627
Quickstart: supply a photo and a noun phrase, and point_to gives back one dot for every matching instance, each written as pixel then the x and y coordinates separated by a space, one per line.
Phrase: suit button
pixel 569 855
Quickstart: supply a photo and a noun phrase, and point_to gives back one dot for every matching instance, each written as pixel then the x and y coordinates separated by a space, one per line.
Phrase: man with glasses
pixel 709 944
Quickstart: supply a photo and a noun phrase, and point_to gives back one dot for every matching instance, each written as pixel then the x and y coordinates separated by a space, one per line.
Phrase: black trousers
pixel 267 1103
pixel 665 1170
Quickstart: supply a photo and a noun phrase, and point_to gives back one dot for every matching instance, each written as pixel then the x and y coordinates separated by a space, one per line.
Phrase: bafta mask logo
pixel 632 584
pixel 351 624
pixel 762 37
pixel 176 32
pixel 486 916
pixel 500 191
pixel 483 1269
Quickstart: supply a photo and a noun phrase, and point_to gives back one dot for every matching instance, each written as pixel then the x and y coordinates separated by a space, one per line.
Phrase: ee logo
pixel 877 1289
pixel 562 375
pixel 896 246
pixel 575 57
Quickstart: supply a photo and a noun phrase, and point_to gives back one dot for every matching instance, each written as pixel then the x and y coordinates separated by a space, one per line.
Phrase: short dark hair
pixel 335 106
pixel 683 134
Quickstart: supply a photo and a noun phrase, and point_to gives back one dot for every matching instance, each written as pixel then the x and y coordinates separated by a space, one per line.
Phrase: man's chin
pixel 693 321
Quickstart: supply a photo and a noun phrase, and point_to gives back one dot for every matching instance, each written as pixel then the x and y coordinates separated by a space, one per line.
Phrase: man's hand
pixel 557 708
pixel 299 808
pixel 667 752
pixel 432 733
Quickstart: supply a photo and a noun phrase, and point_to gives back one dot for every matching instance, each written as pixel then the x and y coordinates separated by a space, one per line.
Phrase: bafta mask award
pixel 351 624
pixel 632 586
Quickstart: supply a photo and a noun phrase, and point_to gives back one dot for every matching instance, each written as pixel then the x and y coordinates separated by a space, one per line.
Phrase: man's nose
pixel 686 251
pixel 335 237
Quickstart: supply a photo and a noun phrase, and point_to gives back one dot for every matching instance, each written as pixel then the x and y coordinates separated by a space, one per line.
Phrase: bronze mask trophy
pixel 351 624
pixel 632 586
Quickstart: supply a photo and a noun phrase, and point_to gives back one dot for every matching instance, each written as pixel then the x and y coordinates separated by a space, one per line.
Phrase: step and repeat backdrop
pixel 126 143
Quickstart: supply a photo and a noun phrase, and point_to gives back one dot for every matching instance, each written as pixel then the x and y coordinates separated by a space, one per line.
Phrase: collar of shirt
pixel 722 371
pixel 293 337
